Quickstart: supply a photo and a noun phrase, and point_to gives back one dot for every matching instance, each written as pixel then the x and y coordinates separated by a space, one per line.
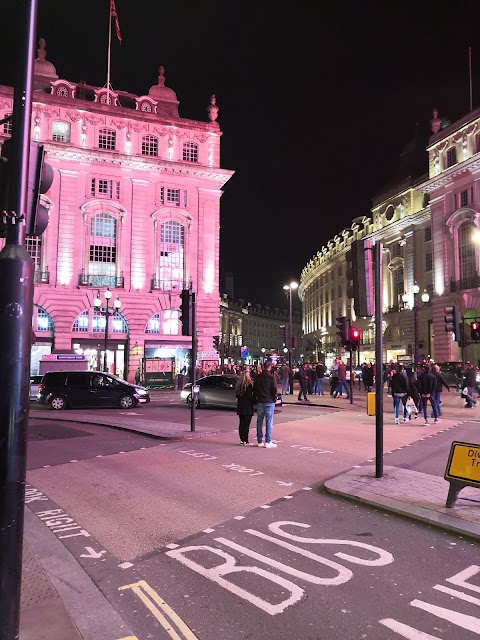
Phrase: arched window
pixel 451 156
pixel 466 253
pixel 42 321
pixel 146 107
pixel 93 320
pixel 171 258
pixel 190 152
pixel 63 92
pixel 107 139
pixel 103 250
pixel 149 146
pixel 153 325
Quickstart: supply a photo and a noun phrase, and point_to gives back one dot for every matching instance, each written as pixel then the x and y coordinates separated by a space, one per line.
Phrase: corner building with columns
pixel 134 208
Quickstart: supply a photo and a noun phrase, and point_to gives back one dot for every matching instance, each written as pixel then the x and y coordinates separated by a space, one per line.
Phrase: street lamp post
pixel 108 311
pixel 290 287
pixel 425 299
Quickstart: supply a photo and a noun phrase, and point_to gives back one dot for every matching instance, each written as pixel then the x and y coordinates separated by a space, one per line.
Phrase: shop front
pixel 165 365
pixel 94 350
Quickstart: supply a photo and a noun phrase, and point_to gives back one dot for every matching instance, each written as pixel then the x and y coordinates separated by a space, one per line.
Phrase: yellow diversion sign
pixel 463 468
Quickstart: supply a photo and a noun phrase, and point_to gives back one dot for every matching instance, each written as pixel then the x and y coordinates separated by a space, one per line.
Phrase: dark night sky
pixel 315 105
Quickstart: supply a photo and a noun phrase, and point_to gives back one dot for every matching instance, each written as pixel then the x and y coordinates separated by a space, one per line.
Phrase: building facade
pixel 251 332
pixel 134 209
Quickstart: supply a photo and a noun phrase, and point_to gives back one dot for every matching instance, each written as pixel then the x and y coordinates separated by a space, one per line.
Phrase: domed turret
pixel 43 72
pixel 166 98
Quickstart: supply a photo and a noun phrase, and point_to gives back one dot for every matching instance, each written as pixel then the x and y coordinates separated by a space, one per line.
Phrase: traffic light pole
pixel 194 360
pixel 351 376
pixel 16 309
pixel 378 360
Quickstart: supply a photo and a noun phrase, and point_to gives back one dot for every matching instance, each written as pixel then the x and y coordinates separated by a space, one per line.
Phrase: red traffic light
pixel 355 334
pixel 474 326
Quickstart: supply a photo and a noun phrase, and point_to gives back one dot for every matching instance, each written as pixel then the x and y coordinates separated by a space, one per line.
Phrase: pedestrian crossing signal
pixel 475 331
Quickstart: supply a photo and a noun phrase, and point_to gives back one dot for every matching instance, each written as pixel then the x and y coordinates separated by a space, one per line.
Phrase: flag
pixel 113 14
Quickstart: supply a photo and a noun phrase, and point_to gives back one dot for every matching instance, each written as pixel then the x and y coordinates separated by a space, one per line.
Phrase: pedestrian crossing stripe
pixel 150 599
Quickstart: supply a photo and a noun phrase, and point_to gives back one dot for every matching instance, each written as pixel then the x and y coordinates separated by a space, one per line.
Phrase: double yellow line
pixel 166 616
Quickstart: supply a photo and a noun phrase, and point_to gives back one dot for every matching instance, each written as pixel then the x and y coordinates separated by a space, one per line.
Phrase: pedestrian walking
pixel 400 390
pixel 320 382
pixel 245 404
pixel 303 379
pixel 441 382
pixel 334 376
pixel 459 376
pixel 414 400
pixel 342 380
pixel 469 385
pixel 265 390
pixel 427 385
pixel 367 376
pixel 284 378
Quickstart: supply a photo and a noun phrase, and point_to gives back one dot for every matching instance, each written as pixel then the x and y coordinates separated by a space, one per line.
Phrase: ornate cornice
pixel 446 178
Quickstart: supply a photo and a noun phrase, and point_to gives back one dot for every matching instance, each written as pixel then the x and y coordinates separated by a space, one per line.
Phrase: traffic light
pixel 452 321
pixel 343 327
pixel 359 259
pixel 283 334
pixel 40 178
pixel 216 343
pixel 354 339
pixel 475 331
pixel 186 312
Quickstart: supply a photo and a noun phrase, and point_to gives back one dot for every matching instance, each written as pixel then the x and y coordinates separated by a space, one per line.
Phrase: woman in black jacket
pixel 245 405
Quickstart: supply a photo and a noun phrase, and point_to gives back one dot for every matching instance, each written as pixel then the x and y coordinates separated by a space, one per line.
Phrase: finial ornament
pixel 435 122
pixel 213 109
pixel 41 53
pixel 161 76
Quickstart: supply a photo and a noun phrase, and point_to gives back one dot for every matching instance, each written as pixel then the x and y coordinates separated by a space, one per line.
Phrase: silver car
pixel 216 391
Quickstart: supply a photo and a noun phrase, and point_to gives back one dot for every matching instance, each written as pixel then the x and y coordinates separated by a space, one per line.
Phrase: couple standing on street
pixel 262 391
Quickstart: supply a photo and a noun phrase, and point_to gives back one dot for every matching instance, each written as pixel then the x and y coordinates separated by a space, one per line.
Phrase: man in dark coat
pixel 427 386
pixel 469 385
pixel 441 382
pixel 265 390
pixel 303 379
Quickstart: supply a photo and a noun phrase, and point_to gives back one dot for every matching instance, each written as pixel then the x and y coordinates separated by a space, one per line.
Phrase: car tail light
pixel 40 387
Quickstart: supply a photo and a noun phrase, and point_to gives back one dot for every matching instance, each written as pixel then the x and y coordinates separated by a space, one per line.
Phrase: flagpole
pixel 109 48
pixel 470 76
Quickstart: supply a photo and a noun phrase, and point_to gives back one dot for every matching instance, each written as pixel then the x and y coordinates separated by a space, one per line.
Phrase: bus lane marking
pixel 156 605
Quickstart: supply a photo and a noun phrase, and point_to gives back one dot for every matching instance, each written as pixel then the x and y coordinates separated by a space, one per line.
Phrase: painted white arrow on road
pixel 285 484
pixel 92 553
pixel 129 413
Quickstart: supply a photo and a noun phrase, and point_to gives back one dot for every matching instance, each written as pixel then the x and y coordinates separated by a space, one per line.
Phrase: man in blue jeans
pixel 265 390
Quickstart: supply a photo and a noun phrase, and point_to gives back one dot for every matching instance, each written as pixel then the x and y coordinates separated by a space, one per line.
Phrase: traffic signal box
pixel 354 339
pixel 186 312
pixel 359 259
pixel 216 343
pixel 475 331
pixel 343 330
pixel 40 179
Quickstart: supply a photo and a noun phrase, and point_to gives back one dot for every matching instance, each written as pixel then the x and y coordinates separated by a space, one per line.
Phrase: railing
pixel 167 285
pixel 396 308
pixel 472 282
pixel 41 277
pixel 113 282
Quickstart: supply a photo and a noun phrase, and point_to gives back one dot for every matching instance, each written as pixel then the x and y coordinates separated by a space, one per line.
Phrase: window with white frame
pixel 103 250
pixel 105 188
pixel 149 146
pixel 190 152
pixel 170 322
pixel 34 248
pixel 7 126
pixel 44 320
pixel 171 260
pixel 107 139
pixel 146 107
pixel 81 323
pixel 451 156
pixel 61 131
pixel 173 197
pixel 398 285
pixel 466 250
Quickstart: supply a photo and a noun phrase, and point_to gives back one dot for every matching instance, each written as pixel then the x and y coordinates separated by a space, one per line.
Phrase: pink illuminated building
pixel 134 208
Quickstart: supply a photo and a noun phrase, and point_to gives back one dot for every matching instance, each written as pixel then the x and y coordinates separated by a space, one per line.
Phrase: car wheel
pixel 197 402
pixel 58 403
pixel 126 402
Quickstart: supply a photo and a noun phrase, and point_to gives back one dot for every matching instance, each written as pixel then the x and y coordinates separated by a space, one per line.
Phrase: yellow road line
pixel 129 638
pixel 143 590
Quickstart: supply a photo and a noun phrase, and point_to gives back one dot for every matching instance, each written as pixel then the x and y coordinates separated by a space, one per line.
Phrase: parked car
pixel 449 371
pixel 34 382
pixel 216 391
pixel 62 389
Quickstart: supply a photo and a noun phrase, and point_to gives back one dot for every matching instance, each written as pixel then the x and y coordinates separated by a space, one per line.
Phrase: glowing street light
pixel 289 288
pixel 108 311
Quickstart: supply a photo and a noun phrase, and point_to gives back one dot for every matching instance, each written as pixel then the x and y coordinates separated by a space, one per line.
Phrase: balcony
pixel 41 277
pixel 471 282
pixel 167 285
pixel 112 282
pixel 401 306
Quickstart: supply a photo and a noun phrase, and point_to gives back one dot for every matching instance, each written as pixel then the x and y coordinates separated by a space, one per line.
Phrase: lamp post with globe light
pixel 289 288
pixel 108 311
pixel 425 299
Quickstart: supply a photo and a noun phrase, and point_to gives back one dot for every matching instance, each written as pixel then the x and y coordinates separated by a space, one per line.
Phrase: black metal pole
pixel 16 309
pixel 290 339
pixel 378 360
pixel 105 344
pixel 351 377
pixel 415 328
pixel 194 361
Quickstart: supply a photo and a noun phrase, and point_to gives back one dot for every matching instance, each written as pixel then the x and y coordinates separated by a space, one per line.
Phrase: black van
pixel 62 389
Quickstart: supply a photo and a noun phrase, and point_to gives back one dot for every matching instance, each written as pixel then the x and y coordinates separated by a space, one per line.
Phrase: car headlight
pixel 141 392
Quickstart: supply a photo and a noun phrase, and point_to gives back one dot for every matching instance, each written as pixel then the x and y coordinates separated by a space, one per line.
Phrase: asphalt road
pixel 132 505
